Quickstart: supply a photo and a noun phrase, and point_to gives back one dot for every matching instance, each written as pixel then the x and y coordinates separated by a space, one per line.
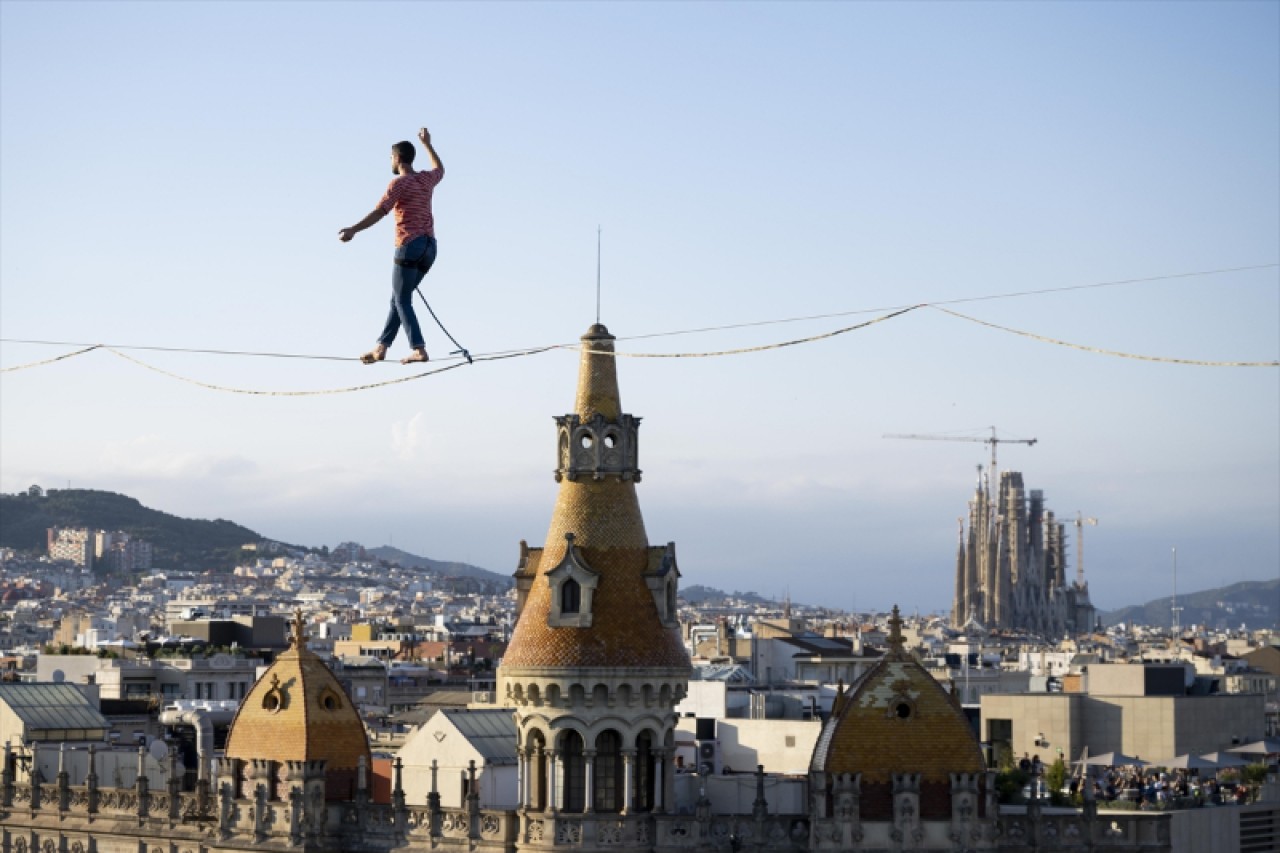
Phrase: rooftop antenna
pixel 1174 609
pixel 597 275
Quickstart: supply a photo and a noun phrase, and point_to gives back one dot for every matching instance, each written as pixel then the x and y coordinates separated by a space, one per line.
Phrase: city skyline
pixel 747 164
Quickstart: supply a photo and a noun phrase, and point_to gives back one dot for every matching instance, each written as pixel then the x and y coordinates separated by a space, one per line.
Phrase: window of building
pixel 570 596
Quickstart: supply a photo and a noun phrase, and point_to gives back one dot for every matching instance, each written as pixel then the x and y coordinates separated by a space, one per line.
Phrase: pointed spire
pixel 598 376
pixel 896 643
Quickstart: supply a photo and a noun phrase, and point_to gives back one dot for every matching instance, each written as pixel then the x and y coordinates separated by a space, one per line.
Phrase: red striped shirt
pixel 410 197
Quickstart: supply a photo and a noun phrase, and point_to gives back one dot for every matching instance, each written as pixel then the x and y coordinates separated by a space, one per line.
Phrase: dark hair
pixel 405 150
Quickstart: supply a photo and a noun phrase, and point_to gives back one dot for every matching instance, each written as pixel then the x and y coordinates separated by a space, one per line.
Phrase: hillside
pixel 177 543
pixel 697 594
pixel 1255 604
pixel 443 567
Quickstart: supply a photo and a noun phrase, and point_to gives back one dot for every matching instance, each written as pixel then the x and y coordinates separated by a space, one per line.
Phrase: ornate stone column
pixel 64 779
pixel 6 778
pixel 90 780
pixel 659 781
pixel 521 775
pixel 552 794
pixel 964 809
pixel 141 783
pixel 628 780
pixel 174 785
pixel 669 788
pixel 589 779
pixel 433 800
pixel 472 804
pixel 397 786
pixel 203 782
pixel 296 798
pixel 760 806
pixel 260 800
pixel 35 777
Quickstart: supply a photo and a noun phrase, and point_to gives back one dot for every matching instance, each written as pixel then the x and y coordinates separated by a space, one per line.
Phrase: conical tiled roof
pixel 597 505
pixel 898 719
pixel 298 711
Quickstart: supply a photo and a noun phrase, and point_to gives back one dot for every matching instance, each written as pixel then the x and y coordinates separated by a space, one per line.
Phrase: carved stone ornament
pixel 568 832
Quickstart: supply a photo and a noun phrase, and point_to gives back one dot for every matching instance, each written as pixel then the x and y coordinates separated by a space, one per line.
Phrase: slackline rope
pixel 668 333
pixel 470 359
pixel 366 387
pixel 957 301
pixel 761 348
pixel 1101 351
pixel 498 356
pixel 50 360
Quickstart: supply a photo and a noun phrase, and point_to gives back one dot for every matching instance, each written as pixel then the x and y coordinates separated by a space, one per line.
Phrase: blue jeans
pixel 413 259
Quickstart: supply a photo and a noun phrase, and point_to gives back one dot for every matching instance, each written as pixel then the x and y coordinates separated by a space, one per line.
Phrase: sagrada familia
pixel 1011 567
pixel 592 677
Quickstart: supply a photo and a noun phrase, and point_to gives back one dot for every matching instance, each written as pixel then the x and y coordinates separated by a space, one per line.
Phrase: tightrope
pixel 508 354
pixel 50 360
pixel 762 347
pixel 1101 351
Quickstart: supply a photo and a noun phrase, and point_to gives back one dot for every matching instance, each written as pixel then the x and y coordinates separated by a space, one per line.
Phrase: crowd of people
pixel 1152 787
pixel 1148 787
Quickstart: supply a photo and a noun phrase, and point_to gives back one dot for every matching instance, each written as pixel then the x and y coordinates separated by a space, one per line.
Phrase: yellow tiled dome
pixel 298 711
pixel 898 719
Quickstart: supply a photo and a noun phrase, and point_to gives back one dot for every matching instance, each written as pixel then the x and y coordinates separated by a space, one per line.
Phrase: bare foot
pixel 378 353
pixel 418 355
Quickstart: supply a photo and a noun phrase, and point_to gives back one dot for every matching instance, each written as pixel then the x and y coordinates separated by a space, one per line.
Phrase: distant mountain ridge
pixel 444 567
pixel 177 543
pixel 1254 604
pixel 199 545
pixel 698 594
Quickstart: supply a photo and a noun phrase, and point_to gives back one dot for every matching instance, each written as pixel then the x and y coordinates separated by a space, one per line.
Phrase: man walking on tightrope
pixel 409 195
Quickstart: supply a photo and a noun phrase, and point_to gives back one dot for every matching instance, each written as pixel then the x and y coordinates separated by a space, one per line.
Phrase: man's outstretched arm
pixel 345 234
pixel 424 136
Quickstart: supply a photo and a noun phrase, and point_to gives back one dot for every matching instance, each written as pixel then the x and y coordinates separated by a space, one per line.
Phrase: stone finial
pixel 299 638
pixel 896 643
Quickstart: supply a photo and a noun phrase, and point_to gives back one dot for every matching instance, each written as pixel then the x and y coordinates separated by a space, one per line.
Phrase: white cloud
pixel 406 436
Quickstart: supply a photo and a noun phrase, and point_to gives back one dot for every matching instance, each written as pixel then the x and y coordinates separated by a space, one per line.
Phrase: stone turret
pixel 595 665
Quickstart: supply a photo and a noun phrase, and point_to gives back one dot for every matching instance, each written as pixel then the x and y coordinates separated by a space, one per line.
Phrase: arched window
pixel 575 788
pixel 645 759
pixel 608 775
pixel 570 596
pixel 538 772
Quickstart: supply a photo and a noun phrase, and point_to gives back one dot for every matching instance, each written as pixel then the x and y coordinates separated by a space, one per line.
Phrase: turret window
pixel 570 597
pixel 573 583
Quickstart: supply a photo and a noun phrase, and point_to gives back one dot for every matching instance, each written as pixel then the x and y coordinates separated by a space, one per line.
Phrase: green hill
pixel 1255 604
pixel 177 543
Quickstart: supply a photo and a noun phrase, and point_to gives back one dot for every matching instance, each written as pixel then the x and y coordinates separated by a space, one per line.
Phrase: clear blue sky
pixel 174 174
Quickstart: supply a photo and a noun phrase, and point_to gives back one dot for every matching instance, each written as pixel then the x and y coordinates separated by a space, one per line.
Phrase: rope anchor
pixel 461 350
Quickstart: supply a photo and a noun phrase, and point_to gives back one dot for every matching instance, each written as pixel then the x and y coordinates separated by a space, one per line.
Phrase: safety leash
pixel 461 350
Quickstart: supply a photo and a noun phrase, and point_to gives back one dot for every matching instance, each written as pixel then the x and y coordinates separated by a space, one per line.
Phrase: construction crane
pixel 1080 522
pixel 993 440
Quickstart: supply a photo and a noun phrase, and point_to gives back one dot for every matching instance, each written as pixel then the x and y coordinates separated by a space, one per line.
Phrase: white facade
pixel 448 740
